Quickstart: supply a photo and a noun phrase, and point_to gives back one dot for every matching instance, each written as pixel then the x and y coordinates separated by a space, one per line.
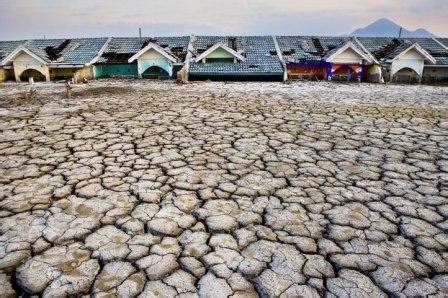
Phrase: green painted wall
pixel 220 53
pixel 110 70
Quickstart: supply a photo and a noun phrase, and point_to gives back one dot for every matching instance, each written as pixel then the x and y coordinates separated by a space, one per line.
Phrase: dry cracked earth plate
pixel 215 189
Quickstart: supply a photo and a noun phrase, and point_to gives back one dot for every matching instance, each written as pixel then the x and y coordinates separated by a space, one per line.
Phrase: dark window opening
pixel 219 60
pixel 290 52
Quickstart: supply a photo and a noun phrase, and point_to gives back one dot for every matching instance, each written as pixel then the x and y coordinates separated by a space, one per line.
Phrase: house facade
pixel 234 58
pixel 52 59
pixel 156 57
pixel 324 58
pixel 259 58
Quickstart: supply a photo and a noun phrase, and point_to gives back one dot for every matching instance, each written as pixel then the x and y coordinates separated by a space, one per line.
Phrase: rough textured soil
pixel 218 190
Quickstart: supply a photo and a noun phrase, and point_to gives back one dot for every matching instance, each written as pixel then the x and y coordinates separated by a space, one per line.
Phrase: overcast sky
pixel 21 19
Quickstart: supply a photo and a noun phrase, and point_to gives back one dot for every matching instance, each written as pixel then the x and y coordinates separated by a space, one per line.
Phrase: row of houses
pixel 371 59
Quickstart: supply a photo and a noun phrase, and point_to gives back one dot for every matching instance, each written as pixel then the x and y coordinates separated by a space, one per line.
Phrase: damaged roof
pixel 66 51
pixel 259 53
pixel 7 47
pixel 121 49
pixel 312 48
pixel 384 48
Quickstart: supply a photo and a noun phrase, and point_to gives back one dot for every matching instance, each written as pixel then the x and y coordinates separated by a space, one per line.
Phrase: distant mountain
pixel 387 28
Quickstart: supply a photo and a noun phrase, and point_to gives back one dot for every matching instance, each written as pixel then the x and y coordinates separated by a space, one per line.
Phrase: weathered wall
pixel 347 57
pixel 24 62
pixel 433 74
pixel 3 75
pixel 312 71
pixel 61 73
pixel 112 70
pixel 84 73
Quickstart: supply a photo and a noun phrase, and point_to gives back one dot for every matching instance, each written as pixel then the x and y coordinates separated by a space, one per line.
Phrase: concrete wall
pixel 153 58
pixel 112 70
pixel 61 73
pixel 3 75
pixel 24 61
pixel 412 59
pixel 348 57
pixel 84 73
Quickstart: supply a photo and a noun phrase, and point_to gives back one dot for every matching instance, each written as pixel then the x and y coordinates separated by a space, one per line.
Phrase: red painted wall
pixel 319 71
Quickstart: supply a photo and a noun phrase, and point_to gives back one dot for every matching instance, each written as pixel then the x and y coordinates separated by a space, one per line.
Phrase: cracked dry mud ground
pixel 218 190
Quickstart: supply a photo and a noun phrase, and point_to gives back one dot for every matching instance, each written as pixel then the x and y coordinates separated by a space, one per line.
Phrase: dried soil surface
pixel 211 189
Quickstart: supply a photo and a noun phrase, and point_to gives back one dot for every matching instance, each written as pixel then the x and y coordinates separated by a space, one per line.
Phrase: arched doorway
pixel 155 72
pixel 32 73
pixel 406 75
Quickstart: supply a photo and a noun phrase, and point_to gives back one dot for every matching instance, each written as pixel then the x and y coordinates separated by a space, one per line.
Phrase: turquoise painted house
pixel 134 57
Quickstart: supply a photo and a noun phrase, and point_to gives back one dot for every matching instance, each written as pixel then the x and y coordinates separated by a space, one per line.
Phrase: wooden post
pixel 69 90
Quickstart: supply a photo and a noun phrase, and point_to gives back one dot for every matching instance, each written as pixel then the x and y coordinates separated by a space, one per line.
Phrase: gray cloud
pixel 21 19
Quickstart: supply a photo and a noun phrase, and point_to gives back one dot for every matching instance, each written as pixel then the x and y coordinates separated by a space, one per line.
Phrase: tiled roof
pixel 379 47
pixel 444 41
pixel 399 49
pixel 311 48
pixel 430 45
pixel 259 51
pixel 442 61
pixel 120 49
pixel 6 47
pixel 66 51
pixel 295 48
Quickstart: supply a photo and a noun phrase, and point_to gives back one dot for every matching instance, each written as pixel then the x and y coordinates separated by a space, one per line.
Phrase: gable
pixel 347 56
pixel 149 51
pixel 412 54
pixel 220 53
pixel 23 57
pixel 151 54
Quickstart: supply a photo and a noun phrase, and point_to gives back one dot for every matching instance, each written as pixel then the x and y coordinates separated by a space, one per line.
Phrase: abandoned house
pixel 409 60
pixel 234 58
pixel 324 58
pixel 273 58
pixel 53 59
pixel 157 57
